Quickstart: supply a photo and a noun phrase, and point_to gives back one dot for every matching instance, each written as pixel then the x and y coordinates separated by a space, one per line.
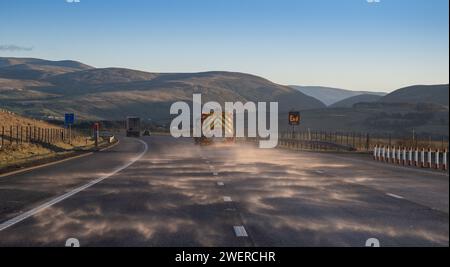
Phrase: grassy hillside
pixel 422 109
pixel 17 154
pixel 436 94
pixel 42 89
pixel 101 76
pixel 8 119
pixel 36 69
pixel 349 102
pixel 68 64
pixel 115 93
pixel 381 118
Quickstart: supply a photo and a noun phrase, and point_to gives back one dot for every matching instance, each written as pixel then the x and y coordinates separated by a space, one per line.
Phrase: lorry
pixel 133 125
pixel 211 120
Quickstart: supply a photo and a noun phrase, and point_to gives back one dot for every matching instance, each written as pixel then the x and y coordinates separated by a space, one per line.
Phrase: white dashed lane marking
pixel 240 231
pixel 394 196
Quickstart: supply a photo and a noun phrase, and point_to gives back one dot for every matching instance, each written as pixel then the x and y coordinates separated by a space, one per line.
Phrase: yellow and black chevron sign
pixel 211 121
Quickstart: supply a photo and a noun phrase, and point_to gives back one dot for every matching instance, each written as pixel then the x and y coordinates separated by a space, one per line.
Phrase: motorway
pixel 161 191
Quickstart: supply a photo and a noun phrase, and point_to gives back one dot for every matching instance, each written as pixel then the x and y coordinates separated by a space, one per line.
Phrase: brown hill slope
pixel 35 69
pixel 114 93
pixel 435 94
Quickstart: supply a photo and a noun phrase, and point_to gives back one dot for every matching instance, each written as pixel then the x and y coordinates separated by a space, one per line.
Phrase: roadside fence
pixel 18 135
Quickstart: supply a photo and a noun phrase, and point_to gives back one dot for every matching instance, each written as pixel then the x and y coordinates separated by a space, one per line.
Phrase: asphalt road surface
pixel 160 191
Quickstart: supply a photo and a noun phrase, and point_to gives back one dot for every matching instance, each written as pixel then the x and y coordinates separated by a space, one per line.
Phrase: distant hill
pixel 35 69
pixel 35 88
pixel 329 95
pixel 101 76
pixel 423 109
pixel 48 89
pixel 349 102
pixel 435 94
pixel 11 61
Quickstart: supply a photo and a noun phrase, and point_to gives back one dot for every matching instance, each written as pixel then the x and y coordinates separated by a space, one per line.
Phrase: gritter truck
pixel 212 120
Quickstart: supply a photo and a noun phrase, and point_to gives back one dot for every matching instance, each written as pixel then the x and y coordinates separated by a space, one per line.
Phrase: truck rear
pixel 133 127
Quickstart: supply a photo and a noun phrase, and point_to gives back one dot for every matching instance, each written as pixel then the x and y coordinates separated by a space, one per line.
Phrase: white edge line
pixel 56 200
pixel 5 175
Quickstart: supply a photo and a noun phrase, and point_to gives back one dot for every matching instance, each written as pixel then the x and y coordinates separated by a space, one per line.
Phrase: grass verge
pixel 24 156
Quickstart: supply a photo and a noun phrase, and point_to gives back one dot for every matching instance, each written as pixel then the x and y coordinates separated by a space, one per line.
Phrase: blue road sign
pixel 69 119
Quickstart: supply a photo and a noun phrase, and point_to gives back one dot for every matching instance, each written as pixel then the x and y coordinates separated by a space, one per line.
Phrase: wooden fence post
pixel 3 136
pixel 368 142
pixel 17 135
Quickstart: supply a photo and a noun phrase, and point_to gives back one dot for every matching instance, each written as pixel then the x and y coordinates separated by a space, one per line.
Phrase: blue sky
pixel 350 44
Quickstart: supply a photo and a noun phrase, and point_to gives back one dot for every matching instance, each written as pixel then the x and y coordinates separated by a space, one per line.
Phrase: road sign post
pixel 294 120
pixel 96 128
pixel 69 120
